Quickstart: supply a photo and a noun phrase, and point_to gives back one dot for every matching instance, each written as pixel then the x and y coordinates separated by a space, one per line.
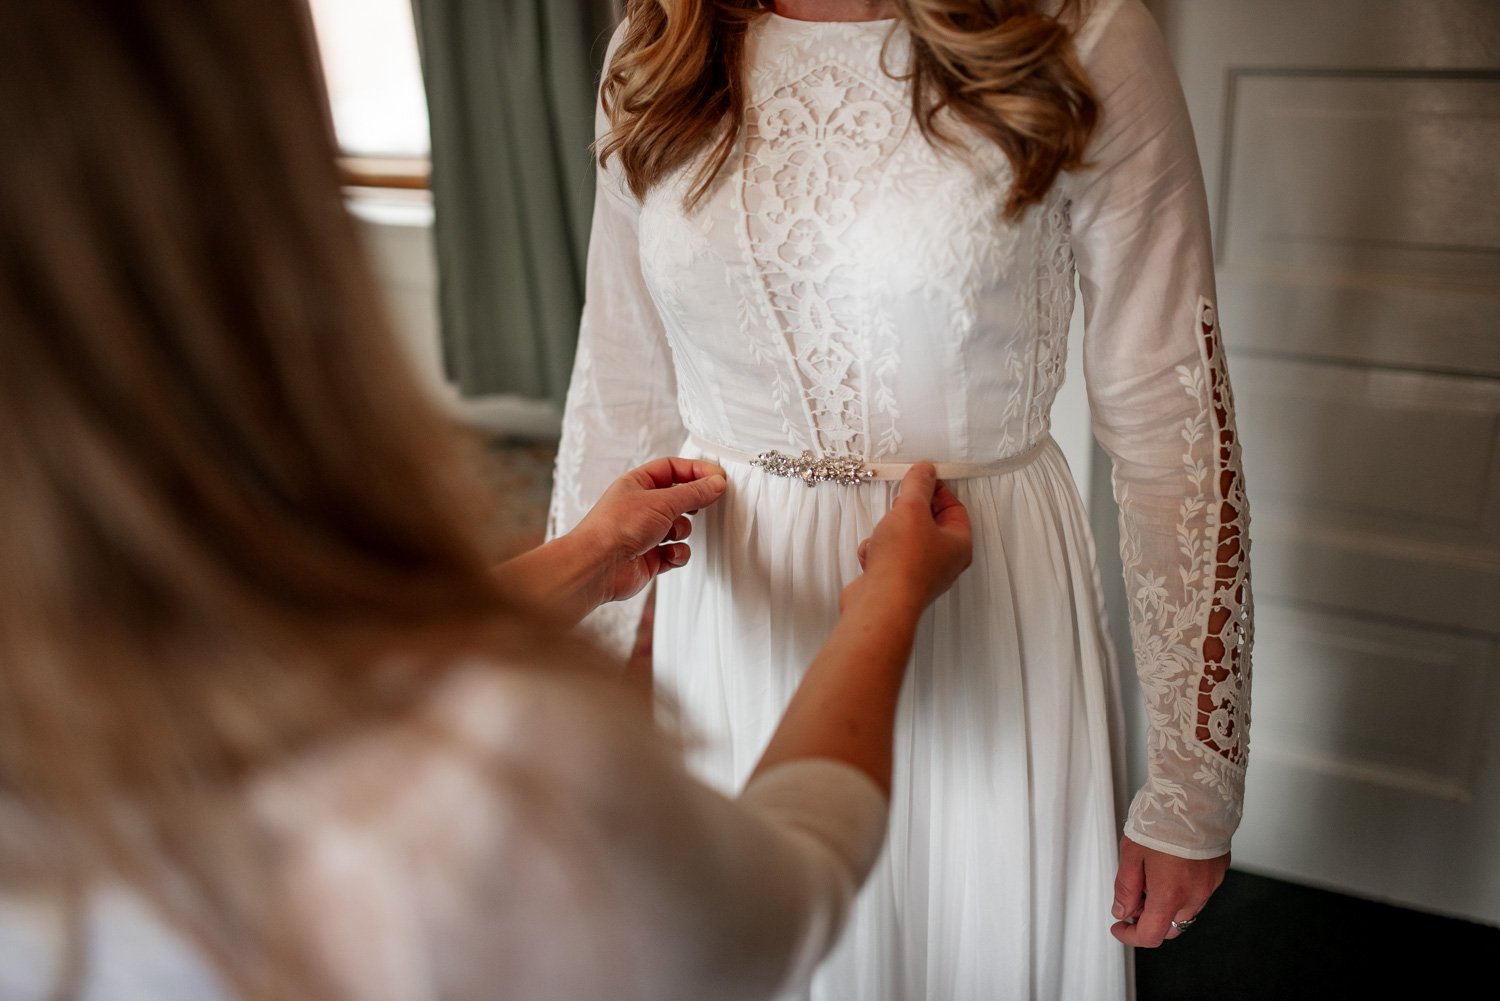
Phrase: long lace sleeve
pixel 1161 404
pixel 622 400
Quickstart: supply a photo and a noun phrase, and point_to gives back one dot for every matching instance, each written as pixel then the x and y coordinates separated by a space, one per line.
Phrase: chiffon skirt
pixel 997 878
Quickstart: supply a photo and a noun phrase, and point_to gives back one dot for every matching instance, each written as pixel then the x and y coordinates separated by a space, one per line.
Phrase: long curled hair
pixel 675 89
pixel 224 498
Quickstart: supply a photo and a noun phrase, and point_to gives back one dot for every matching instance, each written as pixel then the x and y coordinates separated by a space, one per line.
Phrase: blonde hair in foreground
pixel 221 493
pixel 675 89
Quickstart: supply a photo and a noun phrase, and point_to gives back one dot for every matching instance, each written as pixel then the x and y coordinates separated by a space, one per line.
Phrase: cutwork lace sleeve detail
pixel 1223 693
pixel 1192 631
pixel 622 399
pixel 1163 409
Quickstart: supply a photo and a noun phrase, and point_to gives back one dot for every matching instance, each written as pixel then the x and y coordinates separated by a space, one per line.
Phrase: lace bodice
pixel 815 274
pixel 846 287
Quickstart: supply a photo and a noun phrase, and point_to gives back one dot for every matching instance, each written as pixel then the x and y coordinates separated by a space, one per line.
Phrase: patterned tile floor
pixel 521 472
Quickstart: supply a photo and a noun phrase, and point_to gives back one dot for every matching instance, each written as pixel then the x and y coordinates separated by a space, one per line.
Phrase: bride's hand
pixel 923 543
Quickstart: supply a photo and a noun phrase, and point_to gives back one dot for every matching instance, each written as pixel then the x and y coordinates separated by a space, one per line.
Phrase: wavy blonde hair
pixel 224 500
pixel 676 86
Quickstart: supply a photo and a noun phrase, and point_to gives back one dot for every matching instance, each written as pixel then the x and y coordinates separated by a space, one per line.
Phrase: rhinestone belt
pixel 845 469
pixel 849 470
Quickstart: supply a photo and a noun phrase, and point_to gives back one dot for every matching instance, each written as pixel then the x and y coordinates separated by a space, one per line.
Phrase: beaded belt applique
pixel 850 471
pixel 844 469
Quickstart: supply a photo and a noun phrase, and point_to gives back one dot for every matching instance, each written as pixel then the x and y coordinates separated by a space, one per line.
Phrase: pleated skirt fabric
pixel 997 878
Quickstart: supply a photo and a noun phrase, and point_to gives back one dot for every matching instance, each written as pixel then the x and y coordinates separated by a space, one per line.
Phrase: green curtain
pixel 511 93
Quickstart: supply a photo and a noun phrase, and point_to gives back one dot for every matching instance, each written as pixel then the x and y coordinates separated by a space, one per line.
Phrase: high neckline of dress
pixel 795 23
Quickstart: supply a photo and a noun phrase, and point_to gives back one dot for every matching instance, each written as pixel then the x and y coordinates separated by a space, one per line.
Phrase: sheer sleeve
pixel 1160 399
pixel 536 839
pixel 750 894
pixel 682 892
pixel 622 400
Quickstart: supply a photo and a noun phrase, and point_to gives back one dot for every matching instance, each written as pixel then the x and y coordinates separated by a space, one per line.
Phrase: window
pixel 369 51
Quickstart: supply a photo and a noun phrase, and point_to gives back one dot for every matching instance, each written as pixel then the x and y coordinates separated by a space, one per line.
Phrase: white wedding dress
pixel 848 289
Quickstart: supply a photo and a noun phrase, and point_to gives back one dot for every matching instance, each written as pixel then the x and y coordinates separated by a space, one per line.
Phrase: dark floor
pixel 1263 939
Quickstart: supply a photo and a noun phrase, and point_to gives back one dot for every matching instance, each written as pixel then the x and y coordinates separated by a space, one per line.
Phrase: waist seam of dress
pixel 885 471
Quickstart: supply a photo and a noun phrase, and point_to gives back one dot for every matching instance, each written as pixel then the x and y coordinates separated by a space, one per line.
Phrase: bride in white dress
pixel 846 288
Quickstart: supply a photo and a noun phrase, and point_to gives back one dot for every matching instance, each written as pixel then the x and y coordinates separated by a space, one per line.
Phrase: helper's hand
pixel 923 543
pixel 637 528
pixel 845 706
pixel 633 533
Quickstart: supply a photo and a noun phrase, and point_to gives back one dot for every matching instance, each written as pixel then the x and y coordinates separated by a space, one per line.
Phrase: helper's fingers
pixel 673 555
pixel 947 509
pixel 918 484
pixel 681 528
pixel 670 469
pixel 688 497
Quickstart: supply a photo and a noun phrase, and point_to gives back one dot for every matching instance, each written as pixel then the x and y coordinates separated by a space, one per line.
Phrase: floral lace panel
pixel 1193 635
pixel 812 160
pixel 1053 302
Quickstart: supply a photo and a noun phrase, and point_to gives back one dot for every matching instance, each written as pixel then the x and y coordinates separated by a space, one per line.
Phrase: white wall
pixel 397 228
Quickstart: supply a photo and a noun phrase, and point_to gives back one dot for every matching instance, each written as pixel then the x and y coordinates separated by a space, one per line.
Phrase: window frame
pixel 408 173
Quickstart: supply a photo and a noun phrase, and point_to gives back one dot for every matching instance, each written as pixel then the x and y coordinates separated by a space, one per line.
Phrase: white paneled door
pixel 1352 152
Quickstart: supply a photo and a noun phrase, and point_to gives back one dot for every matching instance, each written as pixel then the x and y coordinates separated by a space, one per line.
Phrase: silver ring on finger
pixel 1184 924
